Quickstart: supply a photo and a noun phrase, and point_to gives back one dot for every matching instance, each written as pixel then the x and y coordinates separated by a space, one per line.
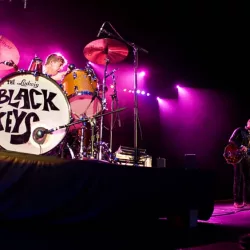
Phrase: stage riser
pixel 63 191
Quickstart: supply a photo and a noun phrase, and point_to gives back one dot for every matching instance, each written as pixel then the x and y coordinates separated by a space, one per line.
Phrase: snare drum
pixel 29 106
pixel 81 86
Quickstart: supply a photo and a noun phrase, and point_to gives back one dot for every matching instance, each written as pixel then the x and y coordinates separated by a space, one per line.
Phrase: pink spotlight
pixel 138 91
pixel 142 73
pixel 177 86
pixel 148 94
pixel 143 92
pixel 125 90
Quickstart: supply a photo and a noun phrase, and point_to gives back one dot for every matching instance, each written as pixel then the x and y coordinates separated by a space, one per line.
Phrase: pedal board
pixel 125 156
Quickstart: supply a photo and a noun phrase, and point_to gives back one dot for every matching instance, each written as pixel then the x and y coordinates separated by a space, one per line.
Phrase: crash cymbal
pixel 100 50
pixel 8 51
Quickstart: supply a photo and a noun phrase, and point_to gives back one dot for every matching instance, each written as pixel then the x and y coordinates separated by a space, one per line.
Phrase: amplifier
pixel 125 156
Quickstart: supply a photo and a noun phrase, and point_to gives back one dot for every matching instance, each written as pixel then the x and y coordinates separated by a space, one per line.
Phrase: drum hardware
pixel 71 67
pixel 135 48
pixel 71 151
pixel 76 90
pixel 36 65
pixel 92 122
pixel 84 119
pixel 32 124
pixel 112 72
pixel 80 89
pixel 51 131
pixel 38 135
pixel 105 51
pixel 91 72
pixel 8 54
pixel 100 87
pixel 10 64
pixel 104 106
pixel 100 50
pixel 112 123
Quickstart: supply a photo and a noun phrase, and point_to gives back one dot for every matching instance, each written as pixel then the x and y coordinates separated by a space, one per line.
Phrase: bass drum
pixel 29 106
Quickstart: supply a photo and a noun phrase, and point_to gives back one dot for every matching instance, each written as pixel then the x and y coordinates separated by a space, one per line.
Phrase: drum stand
pixel 104 104
pixel 81 152
pixel 135 48
pixel 93 124
pixel 112 124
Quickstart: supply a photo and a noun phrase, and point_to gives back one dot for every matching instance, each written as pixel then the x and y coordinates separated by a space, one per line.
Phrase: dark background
pixel 202 44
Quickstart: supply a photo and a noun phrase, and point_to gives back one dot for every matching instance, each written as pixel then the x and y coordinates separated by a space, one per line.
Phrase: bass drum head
pixel 28 105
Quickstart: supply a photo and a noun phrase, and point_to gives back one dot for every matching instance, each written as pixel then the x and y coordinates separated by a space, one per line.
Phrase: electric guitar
pixel 234 155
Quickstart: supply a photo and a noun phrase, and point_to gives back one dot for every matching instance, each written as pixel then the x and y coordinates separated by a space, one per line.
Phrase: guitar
pixel 234 155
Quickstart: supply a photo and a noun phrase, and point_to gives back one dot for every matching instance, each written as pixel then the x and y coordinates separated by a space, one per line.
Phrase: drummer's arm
pixel 59 76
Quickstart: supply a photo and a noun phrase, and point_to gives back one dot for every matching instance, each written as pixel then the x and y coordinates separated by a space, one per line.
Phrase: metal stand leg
pixel 136 48
pixel 92 123
pixel 135 107
pixel 112 123
pixel 104 103
pixel 81 152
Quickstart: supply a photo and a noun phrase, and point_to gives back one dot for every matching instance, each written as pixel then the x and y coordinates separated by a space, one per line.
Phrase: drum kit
pixel 43 117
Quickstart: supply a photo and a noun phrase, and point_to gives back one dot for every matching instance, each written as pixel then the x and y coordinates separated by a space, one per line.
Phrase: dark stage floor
pixel 221 231
pixel 62 191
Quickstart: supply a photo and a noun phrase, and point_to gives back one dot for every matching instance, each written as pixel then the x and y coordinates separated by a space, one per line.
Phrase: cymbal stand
pixel 104 107
pixel 92 124
pixel 135 48
pixel 81 152
pixel 114 99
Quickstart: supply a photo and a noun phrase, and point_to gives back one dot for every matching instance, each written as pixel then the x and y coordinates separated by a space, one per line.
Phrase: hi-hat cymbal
pixel 8 51
pixel 100 50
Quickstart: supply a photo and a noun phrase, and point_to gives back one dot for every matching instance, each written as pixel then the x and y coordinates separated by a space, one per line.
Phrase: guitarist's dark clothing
pixel 240 137
pixel 241 190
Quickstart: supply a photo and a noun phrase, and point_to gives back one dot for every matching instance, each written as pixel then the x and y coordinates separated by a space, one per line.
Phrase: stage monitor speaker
pixel 160 162
pixel 190 161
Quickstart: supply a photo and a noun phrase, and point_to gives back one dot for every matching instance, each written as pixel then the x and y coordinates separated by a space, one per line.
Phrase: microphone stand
pixel 135 48
pixel 112 124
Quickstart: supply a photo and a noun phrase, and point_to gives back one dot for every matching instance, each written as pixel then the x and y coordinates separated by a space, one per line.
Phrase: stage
pixel 48 202
pixel 52 190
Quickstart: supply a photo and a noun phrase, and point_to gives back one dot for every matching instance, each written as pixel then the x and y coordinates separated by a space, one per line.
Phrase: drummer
pixel 54 65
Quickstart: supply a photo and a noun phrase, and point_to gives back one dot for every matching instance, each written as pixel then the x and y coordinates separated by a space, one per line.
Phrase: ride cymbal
pixel 102 50
pixel 8 52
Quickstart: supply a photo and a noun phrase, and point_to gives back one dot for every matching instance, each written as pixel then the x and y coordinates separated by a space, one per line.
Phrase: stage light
pixel 139 92
pixel 142 73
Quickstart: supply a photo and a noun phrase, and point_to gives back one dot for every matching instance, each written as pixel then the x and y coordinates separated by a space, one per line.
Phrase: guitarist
pixel 241 186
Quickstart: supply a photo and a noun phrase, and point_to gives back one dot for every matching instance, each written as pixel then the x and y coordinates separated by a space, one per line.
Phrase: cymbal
pixel 100 50
pixel 8 51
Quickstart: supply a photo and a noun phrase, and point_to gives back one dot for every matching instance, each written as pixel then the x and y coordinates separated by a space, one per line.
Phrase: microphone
pixel 100 31
pixel 39 135
pixel 112 72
